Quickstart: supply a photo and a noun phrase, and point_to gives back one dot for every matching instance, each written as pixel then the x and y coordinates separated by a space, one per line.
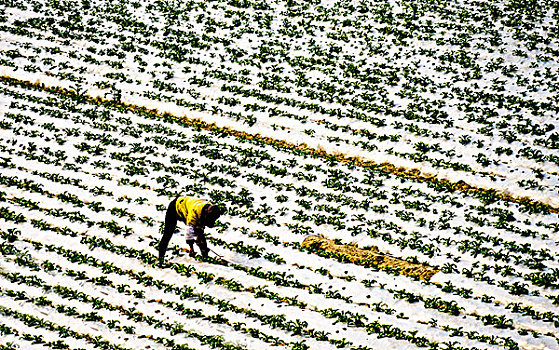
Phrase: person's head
pixel 210 213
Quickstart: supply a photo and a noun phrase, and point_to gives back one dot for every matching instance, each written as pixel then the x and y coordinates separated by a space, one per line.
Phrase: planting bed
pixel 425 129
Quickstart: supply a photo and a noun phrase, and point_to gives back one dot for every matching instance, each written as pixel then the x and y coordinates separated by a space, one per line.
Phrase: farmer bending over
pixel 196 214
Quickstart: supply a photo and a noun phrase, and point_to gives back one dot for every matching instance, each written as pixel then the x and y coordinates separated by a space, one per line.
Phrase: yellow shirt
pixel 190 209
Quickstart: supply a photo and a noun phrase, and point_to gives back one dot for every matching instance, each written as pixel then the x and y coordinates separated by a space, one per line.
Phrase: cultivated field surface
pixel 389 171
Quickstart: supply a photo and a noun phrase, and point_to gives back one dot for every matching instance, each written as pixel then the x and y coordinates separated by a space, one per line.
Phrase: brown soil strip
pixel 370 258
pixel 489 195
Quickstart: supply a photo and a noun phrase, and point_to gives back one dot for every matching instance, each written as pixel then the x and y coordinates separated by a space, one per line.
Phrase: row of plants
pixel 26 338
pixel 534 208
pixel 36 322
pixel 177 34
pixel 257 203
pixel 132 314
pixel 377 310
pixel 296 327
pixel 116 228
pixel 467 293
pixel 184 292
pixel 205 277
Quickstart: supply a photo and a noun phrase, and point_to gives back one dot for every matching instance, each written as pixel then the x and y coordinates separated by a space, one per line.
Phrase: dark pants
pixel 171 218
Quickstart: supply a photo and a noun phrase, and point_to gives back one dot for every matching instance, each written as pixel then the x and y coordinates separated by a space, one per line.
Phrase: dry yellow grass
pixel 413 173
pixel 367 257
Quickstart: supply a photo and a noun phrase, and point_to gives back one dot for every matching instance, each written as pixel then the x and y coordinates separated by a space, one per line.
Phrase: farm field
pixel 425 129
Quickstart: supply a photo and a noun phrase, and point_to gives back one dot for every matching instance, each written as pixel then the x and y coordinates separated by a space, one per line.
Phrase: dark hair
pixel 213 212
